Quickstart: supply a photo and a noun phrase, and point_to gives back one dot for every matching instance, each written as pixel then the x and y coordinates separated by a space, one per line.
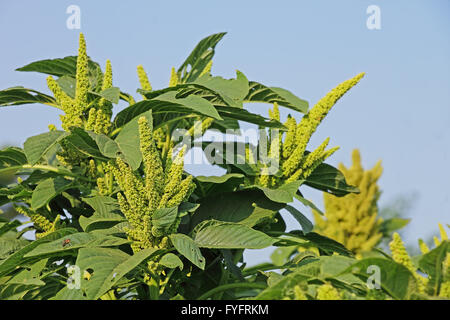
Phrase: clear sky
pixel 399 113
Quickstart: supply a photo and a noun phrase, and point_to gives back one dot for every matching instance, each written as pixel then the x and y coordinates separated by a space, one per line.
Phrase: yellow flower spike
pixel 61 97
pixel 143 78
pixel 401 256
pixel 444 291
pixel 154 173
pixel 101 185
pixel 173 78
pixel 312 119
pixel 207 69
pixel 92 168
pixel 51 127
pixel 185 190
pixel 316 154
pixel 289 140
pixel 174 177
pixel 442 232
pixel 353 219
pixel 328 292
pixel 107 77
pixel 307 171
pixel 82 83
pixel 423 247
pixel 102 122
pixel 436 240
pixel 38 220
pixel 275 113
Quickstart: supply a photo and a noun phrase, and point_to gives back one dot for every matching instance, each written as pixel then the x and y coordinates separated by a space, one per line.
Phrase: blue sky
pixel 399 113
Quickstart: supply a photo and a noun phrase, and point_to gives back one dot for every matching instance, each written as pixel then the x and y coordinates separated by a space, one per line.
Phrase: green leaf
pixel 395 279
pixel 228 235
pixel 82 141
pixel 199 58
pixel 171 261
pixel 128 140
pixel 192 102
pixel 260 93
pixel 37 146
pixel 111 94
pixel 107 147
pixel 19 95
pixel 388 226
pixel 8 226
pixel 331 180
pixel 106 212
pixel 247 207
pixel 283 194
pixel 76 241
pixel 12 156
pixel 209 185
pixel 18 258
pixel 64 66
pixel 244 115
pixel 231 91
pixel 163 218
pixel 431 264
pixel 188 248
pixel 47 189
pixel 107 267
pixel 306 225
pixel 308 203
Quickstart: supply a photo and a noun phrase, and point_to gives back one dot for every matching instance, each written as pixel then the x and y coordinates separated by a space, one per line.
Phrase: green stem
pixel 261 267
pixel 231 286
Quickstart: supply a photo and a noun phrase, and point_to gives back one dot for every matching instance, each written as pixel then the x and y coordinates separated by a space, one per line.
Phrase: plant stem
pixel 231 286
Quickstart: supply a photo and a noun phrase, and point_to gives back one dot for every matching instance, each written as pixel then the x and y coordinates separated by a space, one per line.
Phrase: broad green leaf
pixel 331 180
pixel 231 91
pixel 395 279
pixel 11 157
pixel 16 291
pixel 19 95
pixel 188 248
pixel 9 246
pixel 64 66
pixel 388 226
pixel 111 94
pixel 37 146
pixel 228 235
pixel 199 58
pixel 210 185
pixel 283 194
pixel 106 212
pixel 260 93
pixel 83 142
pixel 163 218
pixel 192 102
pixel 128 140
pixel 247 207
pixel 306 225
pixel 107 147
pixel 18 258
pixel 49 188
pixel 171 261
pixel 107 266
pixel 280 256
pixel 431 264
pixel 244 115
pixel 76 241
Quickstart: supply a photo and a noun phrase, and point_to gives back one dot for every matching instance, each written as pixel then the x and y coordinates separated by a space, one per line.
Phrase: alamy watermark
pixel 373 21
pixel 74 20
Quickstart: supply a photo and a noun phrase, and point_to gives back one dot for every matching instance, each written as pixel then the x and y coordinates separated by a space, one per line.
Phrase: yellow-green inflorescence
pixel 161 187
pixel 328 292
pixel 353 219
pixel 143 79
pixel 401 256
pixel 41 222
pixel 290 154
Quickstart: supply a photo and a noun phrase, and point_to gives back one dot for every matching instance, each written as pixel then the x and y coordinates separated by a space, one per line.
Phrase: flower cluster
pixel 162 186
pixel 291 155
pixel 401 256
pixel 353 219
pixel 39 221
